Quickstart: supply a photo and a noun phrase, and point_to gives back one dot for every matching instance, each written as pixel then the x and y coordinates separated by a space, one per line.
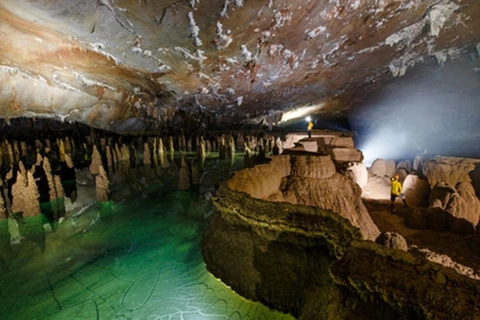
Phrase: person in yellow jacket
pixel 396 191
pixel 310 127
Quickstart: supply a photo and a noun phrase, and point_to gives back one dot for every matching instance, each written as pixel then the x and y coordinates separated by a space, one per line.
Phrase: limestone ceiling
pixel 128 64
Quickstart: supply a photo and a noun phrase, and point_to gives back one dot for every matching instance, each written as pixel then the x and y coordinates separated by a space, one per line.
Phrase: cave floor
pixel 458 248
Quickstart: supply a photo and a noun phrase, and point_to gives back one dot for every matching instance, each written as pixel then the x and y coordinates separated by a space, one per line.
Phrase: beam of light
pixel 300 112
pixel 434 111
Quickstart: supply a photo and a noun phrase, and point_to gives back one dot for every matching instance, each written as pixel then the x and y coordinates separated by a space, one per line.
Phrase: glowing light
pixel 300 112
pixel 308 119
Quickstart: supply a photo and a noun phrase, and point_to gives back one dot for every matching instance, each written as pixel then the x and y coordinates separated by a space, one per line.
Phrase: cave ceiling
pixel 129 65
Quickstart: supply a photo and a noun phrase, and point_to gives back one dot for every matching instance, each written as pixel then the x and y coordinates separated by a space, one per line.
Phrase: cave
pixel 235 159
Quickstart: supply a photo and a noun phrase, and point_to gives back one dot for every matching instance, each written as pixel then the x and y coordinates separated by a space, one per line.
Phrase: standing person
pixel 310 127
pixel 396 191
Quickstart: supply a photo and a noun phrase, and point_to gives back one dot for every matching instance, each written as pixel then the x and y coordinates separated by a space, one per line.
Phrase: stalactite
pixel 102 184
pixel 96 161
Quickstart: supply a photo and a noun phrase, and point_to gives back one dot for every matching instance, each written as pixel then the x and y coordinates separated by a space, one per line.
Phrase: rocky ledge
pixel 313 263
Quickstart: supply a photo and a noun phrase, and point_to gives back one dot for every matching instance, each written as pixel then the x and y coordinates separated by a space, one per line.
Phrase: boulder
pixel 416 190
pixel 358 172
pixel 345 154
pixel 402 174
pixel 378 168
pixel 320 167
pixel 338 194
pixel 392 240
pixel 333 141
pixel 390 168
pixel 262 180
pixel 405 164
pixel 449 170
pixel 440 195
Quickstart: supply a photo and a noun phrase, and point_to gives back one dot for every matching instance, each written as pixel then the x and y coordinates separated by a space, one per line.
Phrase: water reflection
pixel 131 259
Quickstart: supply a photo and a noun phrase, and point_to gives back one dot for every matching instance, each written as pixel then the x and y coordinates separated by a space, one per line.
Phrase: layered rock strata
pixel 312 263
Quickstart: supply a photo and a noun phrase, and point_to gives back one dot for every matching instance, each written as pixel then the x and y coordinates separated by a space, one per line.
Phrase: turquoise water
pixel 137 259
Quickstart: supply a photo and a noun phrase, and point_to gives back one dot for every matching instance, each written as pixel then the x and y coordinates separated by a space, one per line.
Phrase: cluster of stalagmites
pixel 292 233
pixel 443 190
pixel 110 159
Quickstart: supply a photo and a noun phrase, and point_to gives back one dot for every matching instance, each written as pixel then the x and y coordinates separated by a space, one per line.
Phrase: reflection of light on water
pixel 300 112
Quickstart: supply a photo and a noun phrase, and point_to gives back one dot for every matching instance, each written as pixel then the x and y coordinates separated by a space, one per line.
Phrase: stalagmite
pixel 108 153
pixel 58 186
pixel 51 182
pixel 222 148
pixel 19 193
pixel 38 145
pixel 208 146
pixel 101 185
pixel 184 176
pixel 154 152
pixel 147 161
pixel 68 161
pixel 68 145
pixel 3 211
pixel 61 149
pixel 16 151
pixel 184 142
pixel 189 145
pixel 32 206
pixel 96 161
pixel 201 152
pixel 231 148
pixel 171 148
pixel 23 148
pixel 11 159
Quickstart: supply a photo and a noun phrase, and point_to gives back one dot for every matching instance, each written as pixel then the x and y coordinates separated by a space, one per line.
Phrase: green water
pixel 137 259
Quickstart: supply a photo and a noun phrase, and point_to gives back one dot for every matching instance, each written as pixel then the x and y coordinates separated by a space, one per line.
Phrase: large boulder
pixel 440 195
pixel 263 180
pixel 449 170
pixel 390 168
pixel 334 141
pixel 339 154
pixel 378 168
pixel 338 194
pixel 319 167
pixel 416 190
